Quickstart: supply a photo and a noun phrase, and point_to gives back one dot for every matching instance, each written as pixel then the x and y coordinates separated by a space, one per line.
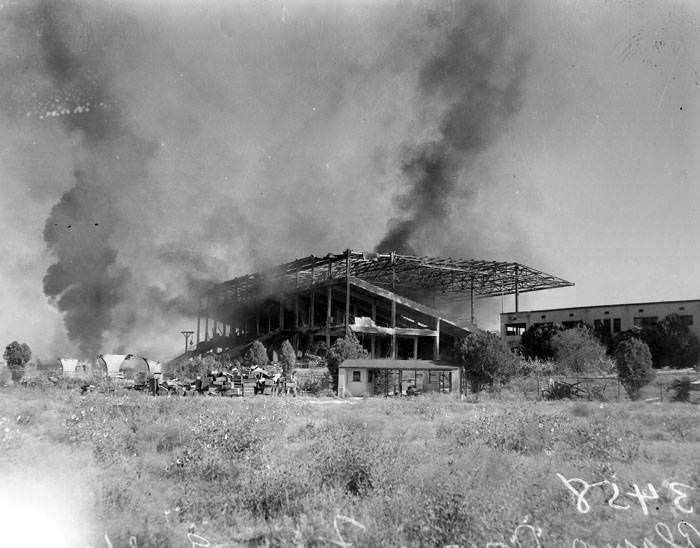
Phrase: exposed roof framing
pixel 390 270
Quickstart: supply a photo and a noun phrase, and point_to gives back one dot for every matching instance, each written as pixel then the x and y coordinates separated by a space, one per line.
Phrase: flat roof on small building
pixel 423 365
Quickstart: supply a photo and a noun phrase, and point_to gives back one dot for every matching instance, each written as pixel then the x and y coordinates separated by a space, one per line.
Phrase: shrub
pixel 536 341
pixel 681 389
pixel 255 355
pixel 343 349
pixel 190 368
pixel 672 344
pixel 578 351
pixel 485 359
pixel 634 365
pixel 289 357
pixel 314 384
pixel 355 457
pixel 526 432
pixel 17 355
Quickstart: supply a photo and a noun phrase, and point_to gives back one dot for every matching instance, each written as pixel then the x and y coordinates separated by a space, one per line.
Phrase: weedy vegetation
pixel 265 471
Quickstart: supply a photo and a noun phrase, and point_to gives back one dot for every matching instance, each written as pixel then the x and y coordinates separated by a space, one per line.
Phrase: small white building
pixel 378 377
pixel 613 318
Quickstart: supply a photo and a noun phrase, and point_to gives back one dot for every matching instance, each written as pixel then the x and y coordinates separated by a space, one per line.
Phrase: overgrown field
pixel 133 470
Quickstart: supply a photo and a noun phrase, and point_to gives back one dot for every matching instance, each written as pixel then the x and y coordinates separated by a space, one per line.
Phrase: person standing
pixel 292 385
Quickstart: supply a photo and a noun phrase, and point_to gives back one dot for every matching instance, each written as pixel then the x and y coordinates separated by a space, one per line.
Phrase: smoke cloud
pixel 172 146
pixel 476 74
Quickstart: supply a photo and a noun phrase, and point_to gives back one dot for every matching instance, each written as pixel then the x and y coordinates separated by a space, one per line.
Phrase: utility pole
pixel 187 335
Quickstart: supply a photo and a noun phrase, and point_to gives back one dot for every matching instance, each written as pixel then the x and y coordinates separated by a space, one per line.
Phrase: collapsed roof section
pixel 403 274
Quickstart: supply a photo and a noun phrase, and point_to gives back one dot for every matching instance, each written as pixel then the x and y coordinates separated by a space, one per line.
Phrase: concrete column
pixel 347 290
pixel 436 347
pixel 199 316
pixel 471 301
pixel 517 289
pixel 206 318
pixel 328 314
pixel 313 295
pixel 393 326
pixel 296 300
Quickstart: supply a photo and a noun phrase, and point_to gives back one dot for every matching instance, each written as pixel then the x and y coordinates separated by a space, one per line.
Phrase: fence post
pixel 618 389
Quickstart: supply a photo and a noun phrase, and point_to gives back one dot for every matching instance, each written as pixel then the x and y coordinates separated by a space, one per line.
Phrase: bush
pixel 314 384
pixel 536 341
pixel 634 365
pixel 681 389
pixel 288 357
pixel 345 348
pixel 485 359
pixel 256 355
pixel 527 432
pixel 17 355
pixel 578 351
pixel 670 342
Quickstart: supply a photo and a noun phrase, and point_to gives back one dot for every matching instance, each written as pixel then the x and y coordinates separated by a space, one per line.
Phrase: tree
pixel 345 348
pixel 485 358
pixel 536 341
pixel 289 357
pixel 578 350
pixel 634 365
pixel 670 342
pixel 17 355
pixel 256 354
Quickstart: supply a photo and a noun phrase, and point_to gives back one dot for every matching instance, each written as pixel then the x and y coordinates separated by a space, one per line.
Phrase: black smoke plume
pixel 85 282
pixel 475 76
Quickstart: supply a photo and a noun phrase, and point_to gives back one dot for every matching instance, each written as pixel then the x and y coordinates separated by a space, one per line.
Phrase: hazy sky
pixel 190 141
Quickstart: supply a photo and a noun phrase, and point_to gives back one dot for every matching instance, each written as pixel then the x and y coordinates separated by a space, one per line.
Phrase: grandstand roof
pixel 442 275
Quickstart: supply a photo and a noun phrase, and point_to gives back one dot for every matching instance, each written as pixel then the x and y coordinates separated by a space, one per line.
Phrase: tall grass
pixel 377 472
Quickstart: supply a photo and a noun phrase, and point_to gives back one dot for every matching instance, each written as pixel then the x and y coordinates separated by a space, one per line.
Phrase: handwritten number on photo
pixel 643 497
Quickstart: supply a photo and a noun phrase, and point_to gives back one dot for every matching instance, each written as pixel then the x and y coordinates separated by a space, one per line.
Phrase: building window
pixel 607 312
pixel 356 376
pixel 543 316
pixel 686 319
pixel 513 329
pixel 645 321
pixel 571 315
pixel 571 324
pixel 617 325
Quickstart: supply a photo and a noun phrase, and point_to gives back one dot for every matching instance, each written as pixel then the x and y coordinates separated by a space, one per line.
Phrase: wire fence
pixel 663 388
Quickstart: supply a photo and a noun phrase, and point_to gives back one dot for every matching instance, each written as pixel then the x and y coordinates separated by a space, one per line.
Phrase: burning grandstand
pixel 389 301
